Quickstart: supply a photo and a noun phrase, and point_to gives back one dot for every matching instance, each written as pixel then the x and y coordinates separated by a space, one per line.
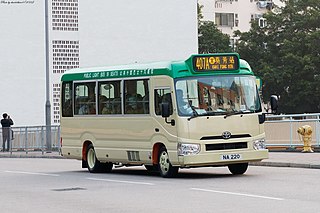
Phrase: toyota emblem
pixel 226 135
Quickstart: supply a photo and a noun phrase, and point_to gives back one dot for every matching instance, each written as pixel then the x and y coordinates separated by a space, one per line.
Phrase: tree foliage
pixel 285 54
pixel 210 38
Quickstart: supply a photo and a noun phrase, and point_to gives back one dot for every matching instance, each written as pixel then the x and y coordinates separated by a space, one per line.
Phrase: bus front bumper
pixel 222 158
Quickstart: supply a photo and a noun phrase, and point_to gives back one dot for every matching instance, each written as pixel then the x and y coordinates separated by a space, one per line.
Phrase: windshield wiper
pixel 194 113
pixel 233 112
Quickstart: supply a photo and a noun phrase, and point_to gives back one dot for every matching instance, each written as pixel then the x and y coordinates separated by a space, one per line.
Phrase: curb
pixel 282 164
pixel 31 156
pixel 261 163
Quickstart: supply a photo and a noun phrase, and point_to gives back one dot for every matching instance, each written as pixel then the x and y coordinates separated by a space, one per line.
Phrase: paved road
pixel 60 185
pixel 278 159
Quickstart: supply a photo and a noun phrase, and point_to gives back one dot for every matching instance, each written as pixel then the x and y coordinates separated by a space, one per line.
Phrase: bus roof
pixel 195 65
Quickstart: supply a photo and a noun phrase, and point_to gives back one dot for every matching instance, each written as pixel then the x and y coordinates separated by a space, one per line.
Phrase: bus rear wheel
pixel 165 168
pixel 94 165
pixel 238 169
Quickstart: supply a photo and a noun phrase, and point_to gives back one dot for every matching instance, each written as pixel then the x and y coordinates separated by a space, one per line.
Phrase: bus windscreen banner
pixel 207 63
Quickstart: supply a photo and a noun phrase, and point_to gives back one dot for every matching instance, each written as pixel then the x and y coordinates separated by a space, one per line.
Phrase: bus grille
pixel 220 137
pixel 224 146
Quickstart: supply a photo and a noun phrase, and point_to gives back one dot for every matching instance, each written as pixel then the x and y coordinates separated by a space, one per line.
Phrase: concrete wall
pixel 110 32
pixel 244 9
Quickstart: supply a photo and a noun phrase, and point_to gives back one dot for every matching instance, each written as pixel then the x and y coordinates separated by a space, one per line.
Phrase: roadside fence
pixel 281 130
pixel 33 138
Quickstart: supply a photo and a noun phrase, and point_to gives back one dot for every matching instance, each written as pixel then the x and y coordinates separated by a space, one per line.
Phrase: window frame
pixel 155 102
pixel 119 89
pixel 146 90
pixel 75 84
pixel 122 81
pixel 63 99
pixel 229 18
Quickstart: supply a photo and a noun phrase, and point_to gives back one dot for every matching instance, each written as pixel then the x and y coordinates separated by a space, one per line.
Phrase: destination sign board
pixel 207 63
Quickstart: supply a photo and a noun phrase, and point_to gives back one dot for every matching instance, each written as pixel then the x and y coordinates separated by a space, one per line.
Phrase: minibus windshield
pixel 217 95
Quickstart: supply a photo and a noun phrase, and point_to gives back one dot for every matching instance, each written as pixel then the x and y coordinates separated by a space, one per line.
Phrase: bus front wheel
pixel 238 169
pixel 165 168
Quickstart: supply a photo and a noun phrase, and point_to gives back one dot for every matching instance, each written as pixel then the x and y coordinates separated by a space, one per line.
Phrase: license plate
pixel 231 157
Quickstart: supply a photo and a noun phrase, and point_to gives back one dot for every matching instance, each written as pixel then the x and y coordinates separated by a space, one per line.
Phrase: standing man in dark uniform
pixel 6 122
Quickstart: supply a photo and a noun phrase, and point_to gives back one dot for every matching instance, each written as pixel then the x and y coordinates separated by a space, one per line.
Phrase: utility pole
pixel 47 105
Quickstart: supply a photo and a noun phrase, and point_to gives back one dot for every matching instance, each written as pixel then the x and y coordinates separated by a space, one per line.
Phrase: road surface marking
pixel 121 181
pixel 32 173
pixel 239 194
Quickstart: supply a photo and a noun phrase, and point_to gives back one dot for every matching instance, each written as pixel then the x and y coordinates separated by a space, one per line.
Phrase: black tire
pixel 94 165
pixel 106 167
pixel 151 168
pixel 238 169
pixel 165 168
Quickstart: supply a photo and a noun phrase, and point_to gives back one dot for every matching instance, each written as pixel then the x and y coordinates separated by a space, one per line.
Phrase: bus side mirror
pixel 165 113
pixel 274 103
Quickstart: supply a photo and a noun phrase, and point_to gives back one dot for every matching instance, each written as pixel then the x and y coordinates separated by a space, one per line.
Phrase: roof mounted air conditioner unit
pixel 265 4
pixel 257 16
pixel 262 4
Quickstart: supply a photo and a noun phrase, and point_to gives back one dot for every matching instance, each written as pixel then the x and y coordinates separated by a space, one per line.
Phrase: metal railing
pixel 32 138
pixel 281 130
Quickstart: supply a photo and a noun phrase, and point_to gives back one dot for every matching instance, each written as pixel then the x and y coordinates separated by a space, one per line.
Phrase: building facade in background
pixel 83 33
pixel 232 15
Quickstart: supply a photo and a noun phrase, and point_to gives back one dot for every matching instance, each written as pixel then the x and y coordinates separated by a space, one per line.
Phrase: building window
pixel 232 43
pixel 63 53
pixel 65 15
pixel 56 98
pixel 236 21
pixel 224 19
pixel 262 22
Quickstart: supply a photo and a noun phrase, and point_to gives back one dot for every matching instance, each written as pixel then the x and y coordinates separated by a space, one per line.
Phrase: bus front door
pixel 165 128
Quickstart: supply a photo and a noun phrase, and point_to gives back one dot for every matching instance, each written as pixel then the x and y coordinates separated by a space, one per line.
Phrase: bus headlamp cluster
pixel 188 149
pixel 259 144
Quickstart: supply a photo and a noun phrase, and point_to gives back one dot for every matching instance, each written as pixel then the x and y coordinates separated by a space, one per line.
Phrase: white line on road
pixel 32 173
pixel 121 181
pixel 239 194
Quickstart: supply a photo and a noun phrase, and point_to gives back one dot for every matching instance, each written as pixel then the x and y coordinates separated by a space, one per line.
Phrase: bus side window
pixel 67 99
pixel 109 97
pixel 85 98
pixel 161 96
pixel 136 97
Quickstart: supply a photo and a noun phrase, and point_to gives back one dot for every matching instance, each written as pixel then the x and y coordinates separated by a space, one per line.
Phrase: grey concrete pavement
pixel 292 159
pixel 31 154
pixel 277 159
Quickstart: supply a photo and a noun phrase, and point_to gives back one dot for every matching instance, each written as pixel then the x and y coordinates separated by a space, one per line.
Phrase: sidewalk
pixel 31 154
pixel 276 159
pixel 291 159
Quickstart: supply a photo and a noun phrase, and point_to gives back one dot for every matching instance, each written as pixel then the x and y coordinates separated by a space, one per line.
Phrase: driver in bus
pixel 183 106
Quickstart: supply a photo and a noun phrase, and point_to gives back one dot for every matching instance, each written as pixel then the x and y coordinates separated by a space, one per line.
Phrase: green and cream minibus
pixel 204 111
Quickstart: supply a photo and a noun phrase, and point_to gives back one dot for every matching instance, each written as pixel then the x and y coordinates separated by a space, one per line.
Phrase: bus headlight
pixel 259 144
pixel 188 149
